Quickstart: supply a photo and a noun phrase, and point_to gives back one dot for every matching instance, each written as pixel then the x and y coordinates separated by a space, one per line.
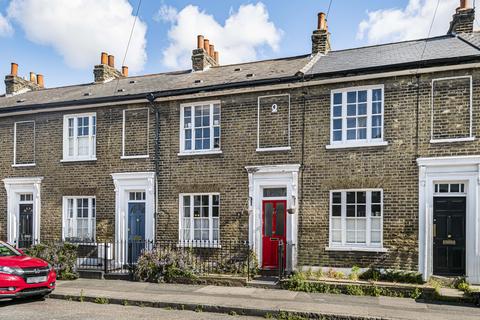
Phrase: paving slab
pixel 258 301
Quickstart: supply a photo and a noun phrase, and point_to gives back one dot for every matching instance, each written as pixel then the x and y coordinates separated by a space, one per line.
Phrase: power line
pixel 329 6
pixel 129 40
pixel 429 32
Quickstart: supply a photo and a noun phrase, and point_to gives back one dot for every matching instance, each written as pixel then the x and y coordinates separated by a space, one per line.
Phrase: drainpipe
pixel 151 100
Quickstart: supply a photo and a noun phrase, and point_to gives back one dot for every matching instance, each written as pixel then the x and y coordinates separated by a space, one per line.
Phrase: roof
pixel 405 54
pixel 245 73
pixel 395 54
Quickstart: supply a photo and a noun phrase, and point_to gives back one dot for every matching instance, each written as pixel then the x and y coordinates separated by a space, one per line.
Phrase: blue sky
pixel 63 42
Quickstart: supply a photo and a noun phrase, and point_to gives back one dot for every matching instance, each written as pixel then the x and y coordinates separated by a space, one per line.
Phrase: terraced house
pixel 366 156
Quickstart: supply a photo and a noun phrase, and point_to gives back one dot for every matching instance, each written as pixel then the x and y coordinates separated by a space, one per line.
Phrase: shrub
pixel 354 273
pixel 62 256
pixel 166 264
pixel 392 276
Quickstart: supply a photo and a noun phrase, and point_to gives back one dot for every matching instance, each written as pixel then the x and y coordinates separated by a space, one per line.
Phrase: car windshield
pixel 6 250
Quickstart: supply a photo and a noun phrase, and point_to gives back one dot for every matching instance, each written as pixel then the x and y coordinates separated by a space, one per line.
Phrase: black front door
pixel 25 226
pixel 449 236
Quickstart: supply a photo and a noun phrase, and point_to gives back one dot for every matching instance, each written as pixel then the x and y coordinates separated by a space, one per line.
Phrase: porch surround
pixel 133 182
pixel 269 176
pixel 463 169
pixel 14 187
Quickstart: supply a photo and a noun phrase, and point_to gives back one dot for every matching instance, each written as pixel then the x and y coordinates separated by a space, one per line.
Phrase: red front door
pixel 274 221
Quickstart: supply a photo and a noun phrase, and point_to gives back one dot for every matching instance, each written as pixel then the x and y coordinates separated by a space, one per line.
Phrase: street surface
pixel 53 309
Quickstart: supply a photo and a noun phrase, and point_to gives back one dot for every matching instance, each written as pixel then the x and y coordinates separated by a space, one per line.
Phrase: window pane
pixel 351 211
pixel 337 98
pixel 336 210
pixel 280 219
pixel 350 197
pixel 337 136
pixel 376 121
pixel 336 236
pixel 376 133
pixel 337 111
pixel 361 197
pixel 376 210
pixel 337 197
pixel 361 210
pixel 377 95
pixel 274 192
pixel 268 219
pixel 362 96
pixel 362 109
pixel 377 108
pixel 337 124
pixel 351 134
pixel 215 200
pixel 454 188
pixel 443 187
pixel 352 97
pixel 351 110
pixel 376 197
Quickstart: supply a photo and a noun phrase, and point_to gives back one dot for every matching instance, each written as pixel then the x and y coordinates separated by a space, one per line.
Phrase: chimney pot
pixel 322 21
pixel 206 45
pixel 212 50
pixel 463 4
pixel 14 69
pixel 216 57
pixel 40 81
pixel 200 41
pixel 111 61
pixel 104 58
pixel 33 78
pixel 125 71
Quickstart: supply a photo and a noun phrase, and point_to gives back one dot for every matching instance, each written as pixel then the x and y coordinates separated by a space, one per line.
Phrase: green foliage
pixel 63 256
pixel 354 273
pixel 166 265
pixel 463 285
pixel 332 273
pixel 374 274
pixel 300 282
pixel 289 316
pixel 101 300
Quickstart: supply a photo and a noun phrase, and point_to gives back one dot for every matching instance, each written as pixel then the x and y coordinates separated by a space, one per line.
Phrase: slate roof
pixel 395 54
pixel 385 57
pixel 228 74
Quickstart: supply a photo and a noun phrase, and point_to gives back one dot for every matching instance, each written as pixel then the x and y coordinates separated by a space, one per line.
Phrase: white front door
pixel 23 211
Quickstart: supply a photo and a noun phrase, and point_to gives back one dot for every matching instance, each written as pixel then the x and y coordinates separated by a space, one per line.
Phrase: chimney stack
pixel 40 81
pixel 105 71
pixel 17 85
pixel 204 56
pixel 462 21
pixel 321 36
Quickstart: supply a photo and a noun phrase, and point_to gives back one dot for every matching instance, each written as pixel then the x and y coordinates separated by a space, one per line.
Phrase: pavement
pixel 260 302
pixel 52 309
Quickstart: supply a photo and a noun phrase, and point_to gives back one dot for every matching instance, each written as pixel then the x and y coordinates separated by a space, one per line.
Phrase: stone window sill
pixel 356 145
pixel 452 140
pixel 199 153
pixel 359 249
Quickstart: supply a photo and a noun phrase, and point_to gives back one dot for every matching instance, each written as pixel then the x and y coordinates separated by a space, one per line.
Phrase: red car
pixel 24 276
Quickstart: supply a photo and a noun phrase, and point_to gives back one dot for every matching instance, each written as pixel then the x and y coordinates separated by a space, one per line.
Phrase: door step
pixel 445 281
pixel 264 282
pixel 91 274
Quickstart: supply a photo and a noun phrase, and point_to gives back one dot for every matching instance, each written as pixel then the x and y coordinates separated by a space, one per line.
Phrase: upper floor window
pixel 79 137
pixel 79 218
pixel 357 117
pixel 200 128
pixel 356 219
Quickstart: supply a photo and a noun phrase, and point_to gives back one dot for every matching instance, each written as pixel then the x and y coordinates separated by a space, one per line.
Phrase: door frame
pixel 15 187
pixel 463 169
pixel 260 177
pixel 124 184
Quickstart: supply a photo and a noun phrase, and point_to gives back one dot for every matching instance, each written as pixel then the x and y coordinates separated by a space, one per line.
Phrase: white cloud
pixel 5 27
pixel 80 29
pixel 242 36
pixel 412 22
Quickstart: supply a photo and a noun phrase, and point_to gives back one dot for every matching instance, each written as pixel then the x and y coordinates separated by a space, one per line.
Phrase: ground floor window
pixel 199 217
pixel 356 218
pixel 79 219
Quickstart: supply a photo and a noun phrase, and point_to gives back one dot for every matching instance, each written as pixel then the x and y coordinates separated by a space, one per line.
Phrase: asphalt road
pixel 52 309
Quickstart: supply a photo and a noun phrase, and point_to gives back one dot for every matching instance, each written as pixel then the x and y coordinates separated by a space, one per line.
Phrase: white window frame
pixel 15 164
pixel 91 228
pixel 273 149
pixel 92 137
pixel 199 243
pixel 344 245
pixel 145 156
pixel 470 137
pixel 368 142
pixel 212 150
